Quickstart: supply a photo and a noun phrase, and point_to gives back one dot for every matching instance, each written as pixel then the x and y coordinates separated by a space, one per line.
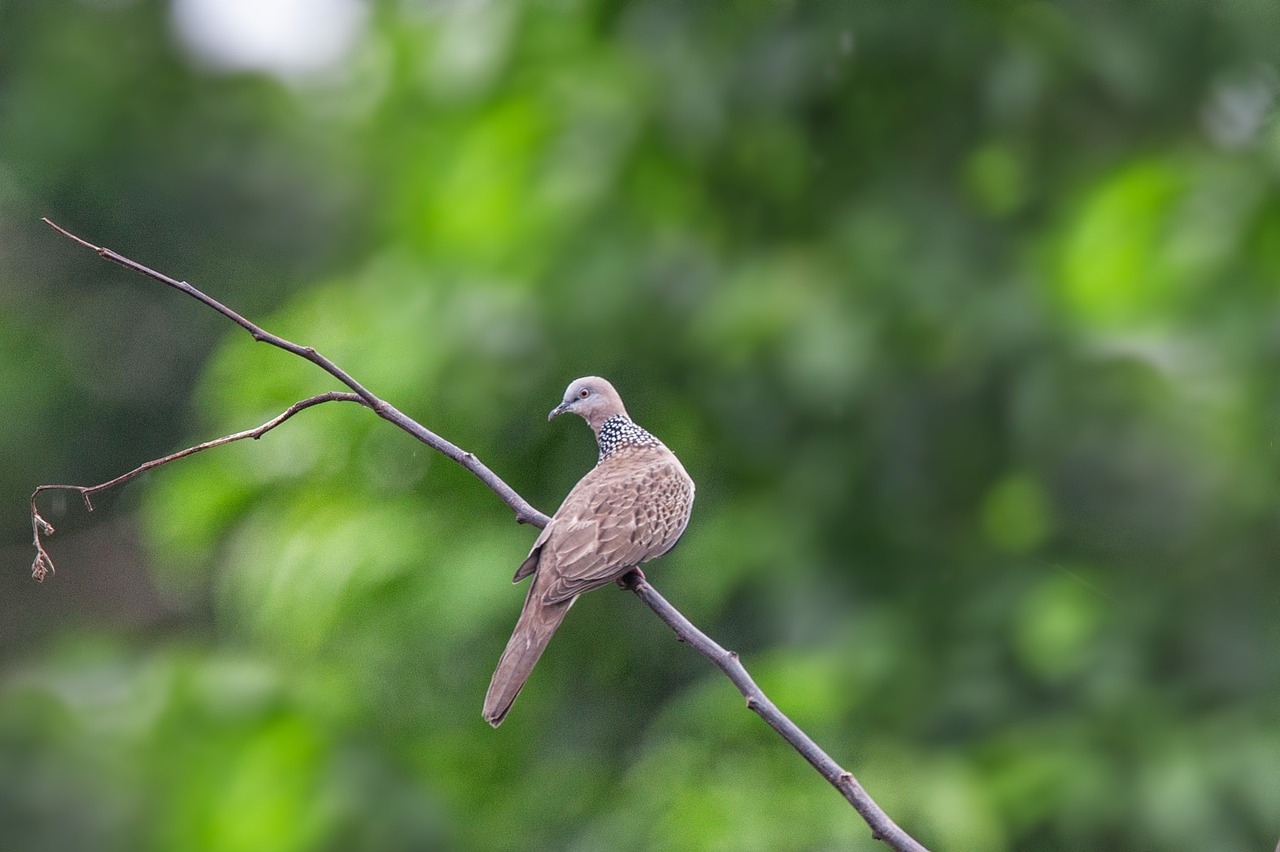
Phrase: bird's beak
pixel 559 409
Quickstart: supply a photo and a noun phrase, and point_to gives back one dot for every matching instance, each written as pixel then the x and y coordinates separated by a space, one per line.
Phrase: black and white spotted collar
pixel 619 431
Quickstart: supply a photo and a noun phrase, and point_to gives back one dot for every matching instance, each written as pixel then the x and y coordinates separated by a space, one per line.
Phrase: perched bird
pixel 631 507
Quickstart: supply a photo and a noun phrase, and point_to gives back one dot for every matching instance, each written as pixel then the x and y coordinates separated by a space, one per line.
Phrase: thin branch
pixel 43 566
pixel 525 513
pixel 882 827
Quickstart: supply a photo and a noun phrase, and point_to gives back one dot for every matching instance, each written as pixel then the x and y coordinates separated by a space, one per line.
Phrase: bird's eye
pixel 584 393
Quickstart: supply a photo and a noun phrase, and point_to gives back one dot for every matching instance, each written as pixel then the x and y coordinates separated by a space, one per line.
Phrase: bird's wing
pixel 530 563
pixel 616 517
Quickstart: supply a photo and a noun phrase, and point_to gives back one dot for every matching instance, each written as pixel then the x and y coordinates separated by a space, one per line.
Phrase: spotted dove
pixel 631 507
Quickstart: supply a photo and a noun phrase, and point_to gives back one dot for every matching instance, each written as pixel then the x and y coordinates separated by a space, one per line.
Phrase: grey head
pixel 593 399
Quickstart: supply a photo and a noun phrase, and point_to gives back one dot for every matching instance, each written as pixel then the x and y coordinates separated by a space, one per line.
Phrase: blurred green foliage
pixel 963 317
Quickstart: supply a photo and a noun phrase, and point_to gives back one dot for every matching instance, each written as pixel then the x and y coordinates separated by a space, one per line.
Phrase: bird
pixel 631 507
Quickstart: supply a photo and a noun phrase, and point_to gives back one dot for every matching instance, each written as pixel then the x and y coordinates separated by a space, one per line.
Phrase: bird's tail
pixel 537 624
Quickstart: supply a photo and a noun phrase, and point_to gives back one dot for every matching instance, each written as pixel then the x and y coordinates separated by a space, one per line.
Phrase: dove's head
pixel 591 398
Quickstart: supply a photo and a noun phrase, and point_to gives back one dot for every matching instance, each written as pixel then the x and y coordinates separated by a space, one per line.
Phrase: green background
pixel 963 316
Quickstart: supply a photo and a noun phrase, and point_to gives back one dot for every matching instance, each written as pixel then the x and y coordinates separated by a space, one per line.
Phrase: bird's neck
pixel 619 432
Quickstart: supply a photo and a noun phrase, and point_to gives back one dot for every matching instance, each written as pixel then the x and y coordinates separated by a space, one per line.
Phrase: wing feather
pixel 616 517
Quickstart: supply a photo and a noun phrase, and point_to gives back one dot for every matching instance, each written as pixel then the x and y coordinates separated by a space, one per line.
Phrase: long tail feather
pixel 537 624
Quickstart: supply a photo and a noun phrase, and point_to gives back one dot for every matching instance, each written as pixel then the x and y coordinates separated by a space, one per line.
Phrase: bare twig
pixel 525 513
pixel 882 827
pixel 43 566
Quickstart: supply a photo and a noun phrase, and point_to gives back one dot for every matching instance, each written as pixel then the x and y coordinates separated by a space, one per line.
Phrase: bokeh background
pixel 963 316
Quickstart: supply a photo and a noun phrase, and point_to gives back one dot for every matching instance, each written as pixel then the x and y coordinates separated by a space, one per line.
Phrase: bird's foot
pixel 630 579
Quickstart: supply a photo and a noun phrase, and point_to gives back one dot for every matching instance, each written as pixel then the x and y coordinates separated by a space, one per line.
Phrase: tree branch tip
pixel 42 567
pixel 69 235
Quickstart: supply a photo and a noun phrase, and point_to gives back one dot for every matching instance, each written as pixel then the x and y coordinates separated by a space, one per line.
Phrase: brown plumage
pixel 631 507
